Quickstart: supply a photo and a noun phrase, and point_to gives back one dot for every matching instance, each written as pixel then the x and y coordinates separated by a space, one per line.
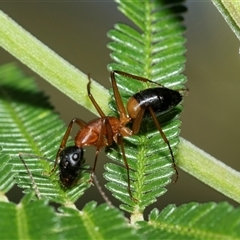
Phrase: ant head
pixel 71 160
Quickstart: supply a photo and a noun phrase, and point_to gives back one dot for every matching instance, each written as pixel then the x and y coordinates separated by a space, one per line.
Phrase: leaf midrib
pixel 16 117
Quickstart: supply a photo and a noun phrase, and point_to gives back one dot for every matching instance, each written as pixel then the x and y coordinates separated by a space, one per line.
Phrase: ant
pixel 106 130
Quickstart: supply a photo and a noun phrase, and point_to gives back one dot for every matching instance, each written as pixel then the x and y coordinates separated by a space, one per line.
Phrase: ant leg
pixel 31 176
pixel 138 78
pixel 124 118
pixel 95 164
pixel 120 142
pixel 105 133
pixel 138 120
pixel 65 138
pixel 165 140
pixel 95 104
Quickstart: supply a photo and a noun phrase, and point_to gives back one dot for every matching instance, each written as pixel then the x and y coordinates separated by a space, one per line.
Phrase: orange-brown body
pixel 101 132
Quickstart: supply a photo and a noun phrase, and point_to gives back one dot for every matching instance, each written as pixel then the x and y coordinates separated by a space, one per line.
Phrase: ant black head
pixel 71 160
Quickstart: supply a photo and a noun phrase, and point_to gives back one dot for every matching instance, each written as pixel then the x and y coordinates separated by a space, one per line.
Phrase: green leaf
pixel 36 220
pixel 27 220
pixel 6 177
pixel 193 221
pixel 93 222
pixel 29 125
pixel 155 51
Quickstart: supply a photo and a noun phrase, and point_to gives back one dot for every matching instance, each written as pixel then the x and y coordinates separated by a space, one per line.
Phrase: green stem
pixel 209 170
pixel 49 65
pixel 230 11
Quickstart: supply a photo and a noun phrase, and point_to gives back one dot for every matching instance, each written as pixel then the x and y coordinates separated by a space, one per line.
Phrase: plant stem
pixel 49 65
pixel 208 170
pixel 230 11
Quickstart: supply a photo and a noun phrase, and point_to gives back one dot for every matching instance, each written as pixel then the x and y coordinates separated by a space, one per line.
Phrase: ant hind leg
pixel 166 141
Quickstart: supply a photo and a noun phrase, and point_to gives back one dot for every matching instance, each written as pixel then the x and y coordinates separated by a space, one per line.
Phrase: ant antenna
pixel 103 194
pixel 30 175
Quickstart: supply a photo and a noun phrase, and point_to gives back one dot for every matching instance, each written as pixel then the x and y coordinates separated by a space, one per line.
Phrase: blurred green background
pixel 77 31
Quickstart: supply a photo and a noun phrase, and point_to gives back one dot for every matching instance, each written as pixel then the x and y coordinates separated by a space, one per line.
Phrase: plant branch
pixel 208 170
pixel 50 66
pixel 230 11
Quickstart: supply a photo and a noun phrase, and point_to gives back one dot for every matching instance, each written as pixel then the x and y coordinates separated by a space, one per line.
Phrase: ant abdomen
pixel 160 99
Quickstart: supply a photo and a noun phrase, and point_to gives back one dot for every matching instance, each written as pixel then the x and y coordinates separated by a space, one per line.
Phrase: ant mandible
pixel 106 130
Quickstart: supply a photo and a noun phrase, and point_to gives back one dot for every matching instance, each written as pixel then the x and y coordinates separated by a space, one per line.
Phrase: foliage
pixel 33 129
pixel 193 221
pixel 29 125
pixel 37 220
pixel 155 52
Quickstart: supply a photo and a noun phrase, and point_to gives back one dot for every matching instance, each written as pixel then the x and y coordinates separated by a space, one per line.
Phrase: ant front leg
pixel 123 116
pixel 82 124
pixel 94 166
pixel 105 138
pixel 95 104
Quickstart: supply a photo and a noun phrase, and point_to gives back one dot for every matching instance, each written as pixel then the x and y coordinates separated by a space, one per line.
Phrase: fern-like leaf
pixel 193 221
pixel 7 177
pixel 156 52
pixel 36 220
pixel 94 223
pixel 27 220
pixel 29 125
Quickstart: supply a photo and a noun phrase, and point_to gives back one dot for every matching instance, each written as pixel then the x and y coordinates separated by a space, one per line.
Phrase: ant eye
pixel 72 155
pixel 75 157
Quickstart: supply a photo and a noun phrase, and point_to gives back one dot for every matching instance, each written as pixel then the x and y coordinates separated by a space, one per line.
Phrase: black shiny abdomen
pixel 160 99
pixel 71 160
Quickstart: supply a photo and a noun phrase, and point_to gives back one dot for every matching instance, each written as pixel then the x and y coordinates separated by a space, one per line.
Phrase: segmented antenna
pixel 30 174
pixel 103 194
